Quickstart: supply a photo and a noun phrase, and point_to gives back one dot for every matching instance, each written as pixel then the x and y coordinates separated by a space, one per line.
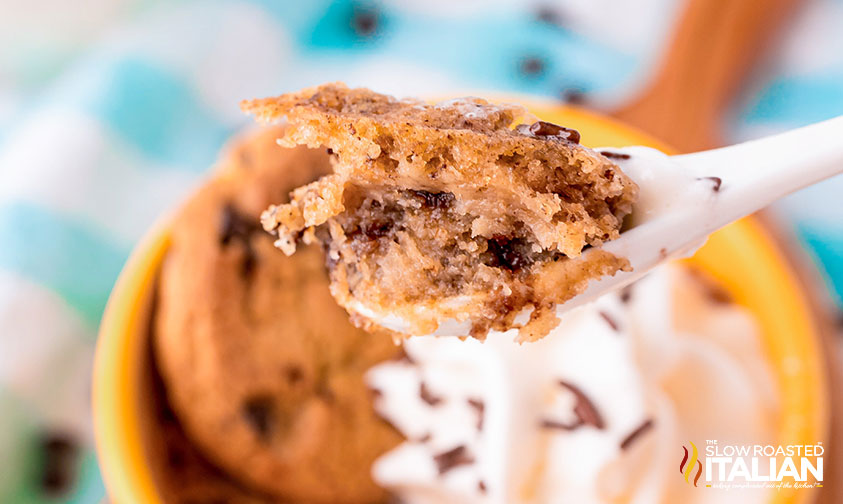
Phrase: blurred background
pixel 112 110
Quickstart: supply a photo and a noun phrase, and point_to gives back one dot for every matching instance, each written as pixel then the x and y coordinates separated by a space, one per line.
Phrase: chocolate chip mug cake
pixel 448 211
pixel 281 399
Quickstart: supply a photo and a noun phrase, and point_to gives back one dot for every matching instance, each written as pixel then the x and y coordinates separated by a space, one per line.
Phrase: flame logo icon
pixel 686 467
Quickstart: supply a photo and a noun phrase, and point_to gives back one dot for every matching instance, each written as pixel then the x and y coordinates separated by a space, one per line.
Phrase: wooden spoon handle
pixel 711 53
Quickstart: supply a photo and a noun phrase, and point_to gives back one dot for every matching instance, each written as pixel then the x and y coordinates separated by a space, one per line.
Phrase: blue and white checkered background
pixel 111 110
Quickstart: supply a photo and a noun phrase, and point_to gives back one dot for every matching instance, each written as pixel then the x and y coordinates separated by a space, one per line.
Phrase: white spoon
pixel 685 198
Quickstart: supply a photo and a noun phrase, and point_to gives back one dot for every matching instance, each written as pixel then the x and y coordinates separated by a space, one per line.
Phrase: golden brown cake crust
pixel 447 211
pixel 569 196
pixel 262 368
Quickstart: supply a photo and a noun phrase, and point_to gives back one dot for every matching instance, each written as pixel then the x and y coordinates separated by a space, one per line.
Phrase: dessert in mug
pixel 272 386
pixel 454 211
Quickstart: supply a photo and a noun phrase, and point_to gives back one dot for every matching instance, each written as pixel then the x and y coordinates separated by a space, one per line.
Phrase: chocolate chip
pixel 453 458
pixel 377 229
pixel 531 66
pixel 611 321
pixel 481 487
pixel 440 201
pixel 365 22
pixel 294 374
pixel 546 129
pixel 259 412
pixel 584 409
pixel 235 226
pixel 635 434
pixel 615 155
pixel 716 182
pixel 480 408
pixel 60 453
pixel 508 253
pixel 428 396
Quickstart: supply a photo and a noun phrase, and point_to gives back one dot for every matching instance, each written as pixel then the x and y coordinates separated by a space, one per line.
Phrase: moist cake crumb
pixel 457 210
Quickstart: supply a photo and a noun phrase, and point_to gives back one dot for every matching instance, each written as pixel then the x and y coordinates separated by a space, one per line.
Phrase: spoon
pixel 685 198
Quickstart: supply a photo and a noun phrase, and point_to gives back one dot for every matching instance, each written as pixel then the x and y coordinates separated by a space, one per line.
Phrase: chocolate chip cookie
pixel 261 367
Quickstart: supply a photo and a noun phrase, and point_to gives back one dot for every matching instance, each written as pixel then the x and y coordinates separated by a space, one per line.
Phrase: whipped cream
pixel 597 411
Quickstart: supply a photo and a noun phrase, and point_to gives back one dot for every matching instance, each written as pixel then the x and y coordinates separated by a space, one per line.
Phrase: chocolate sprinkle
pixel 259 412
pixel 717 182
pixel 453 458
pixel 585 410
pixel 480 407
pixel 638 432
pixel 60 452
pixel 662 253
pixel 611 321
pixel 481 486
pixel 546 129
pixel 425 438
pixel 427 396
pixel 615 155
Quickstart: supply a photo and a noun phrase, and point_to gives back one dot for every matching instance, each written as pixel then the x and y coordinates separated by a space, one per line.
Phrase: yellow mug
pixel 742 256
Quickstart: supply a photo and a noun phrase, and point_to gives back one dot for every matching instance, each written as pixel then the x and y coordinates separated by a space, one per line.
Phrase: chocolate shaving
pixel 481 486
pixel 480 407
pixel 453 458
pixel 626 294
pixel 638 432
pixel 584 409
pixel 713 290
pixel 428 396
pixel 615 155
pixel 611 321
pixel 717 182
